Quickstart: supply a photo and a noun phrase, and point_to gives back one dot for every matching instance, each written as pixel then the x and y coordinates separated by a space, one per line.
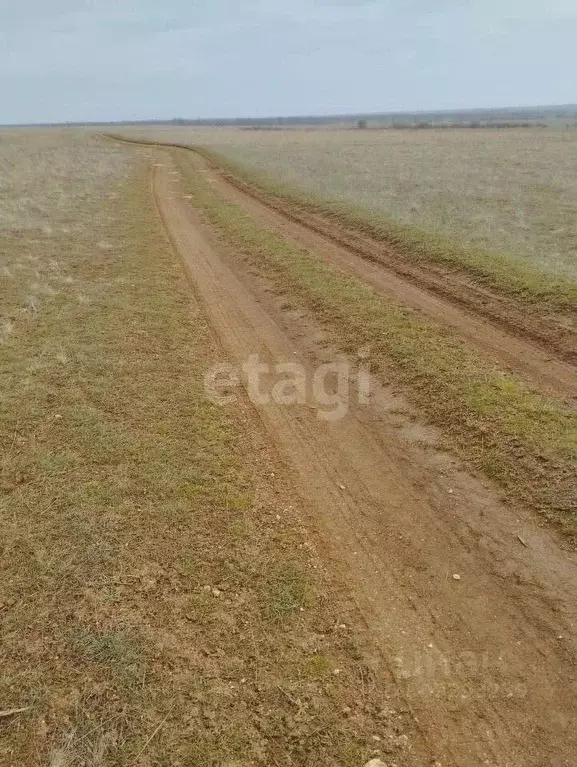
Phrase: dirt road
pixel 485 661
pixel 518 347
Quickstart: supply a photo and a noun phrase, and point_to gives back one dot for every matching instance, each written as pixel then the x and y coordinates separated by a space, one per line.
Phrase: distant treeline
pixel 516 117
pixel 472 119
pixel 422 125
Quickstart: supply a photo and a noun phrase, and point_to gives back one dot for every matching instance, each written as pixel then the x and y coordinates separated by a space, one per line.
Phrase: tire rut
pixel 478 659
pixel 550 369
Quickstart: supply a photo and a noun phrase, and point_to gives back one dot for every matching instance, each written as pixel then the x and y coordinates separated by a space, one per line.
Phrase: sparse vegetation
pixel 519 282
pixel 159 602
pixel 525 441
pixel 506 196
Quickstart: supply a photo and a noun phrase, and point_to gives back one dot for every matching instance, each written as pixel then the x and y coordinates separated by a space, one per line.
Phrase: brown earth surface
pixel 540 353
pixel 485 661
pixel 540 348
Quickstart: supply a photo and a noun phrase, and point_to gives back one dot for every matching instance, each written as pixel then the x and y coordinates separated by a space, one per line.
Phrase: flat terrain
pixel 187 583
pixel 161 601
pixel 362 258
pixel 387 508
pixel 532 444
pixel 509 191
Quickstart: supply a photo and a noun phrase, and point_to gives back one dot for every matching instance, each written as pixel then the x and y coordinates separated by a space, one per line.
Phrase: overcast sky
pixel 123 59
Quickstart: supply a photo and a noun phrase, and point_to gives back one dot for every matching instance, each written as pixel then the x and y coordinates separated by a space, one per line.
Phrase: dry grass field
pixel 532 447
pixel 509 191
pixel 185 584
pixel 160 602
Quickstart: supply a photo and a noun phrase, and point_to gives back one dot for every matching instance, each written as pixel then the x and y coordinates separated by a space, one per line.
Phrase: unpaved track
pixel 511 350
pixel 478 660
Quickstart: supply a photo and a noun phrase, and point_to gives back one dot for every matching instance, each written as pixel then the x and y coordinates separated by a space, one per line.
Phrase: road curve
pixel 542 353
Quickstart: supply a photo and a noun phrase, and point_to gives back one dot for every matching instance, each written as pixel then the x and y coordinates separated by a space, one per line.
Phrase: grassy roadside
pixel 498 272
pixel 159 602
pixel 531 288
pixel 526 442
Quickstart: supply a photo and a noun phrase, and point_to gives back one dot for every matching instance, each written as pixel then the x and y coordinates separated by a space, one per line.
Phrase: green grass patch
pixel 286 593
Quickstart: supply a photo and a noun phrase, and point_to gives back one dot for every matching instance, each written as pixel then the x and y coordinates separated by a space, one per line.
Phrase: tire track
pixel 514 352
pixel 544 353
pixel 478 659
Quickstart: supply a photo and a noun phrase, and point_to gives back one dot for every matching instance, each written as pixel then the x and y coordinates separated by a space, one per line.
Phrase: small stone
pixel 456 577
pixel 57 417
pixel 560 636
pixel 342 487
pixel 375 763
pixel 336 671
pixel 216 592
pixel 430 646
